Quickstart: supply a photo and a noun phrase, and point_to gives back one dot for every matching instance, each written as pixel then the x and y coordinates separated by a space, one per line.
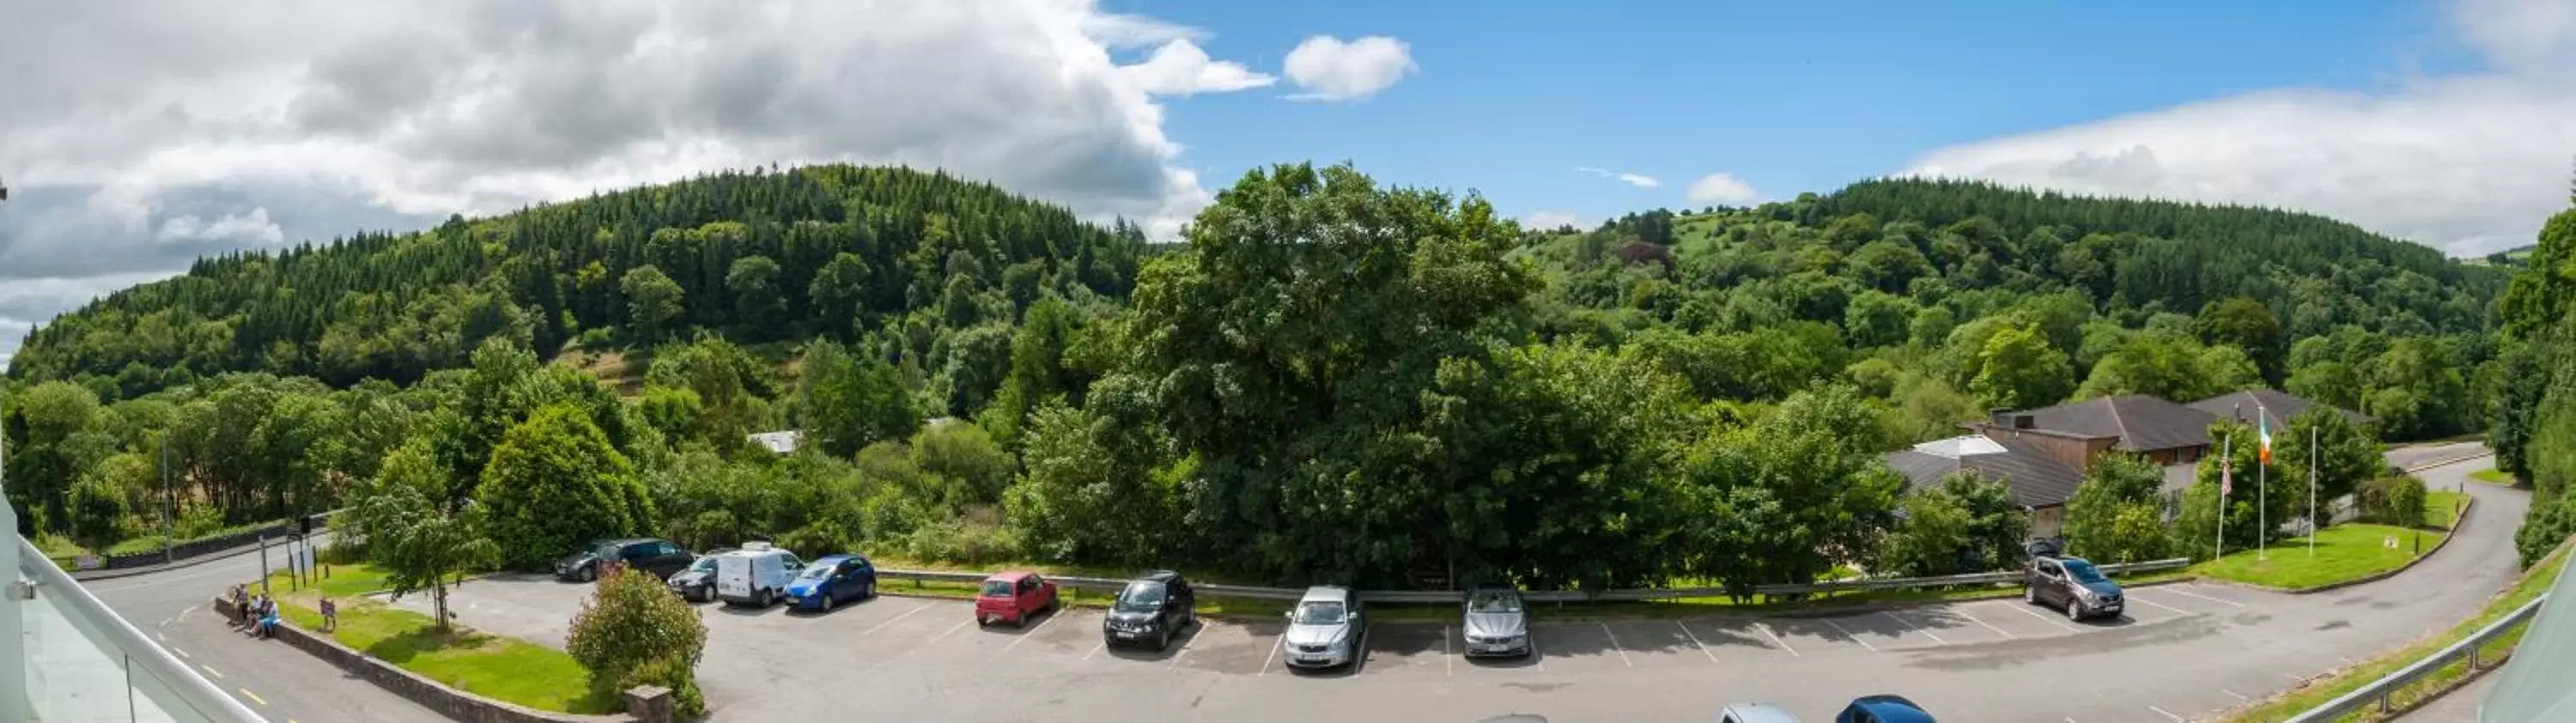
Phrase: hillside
pixel 758 255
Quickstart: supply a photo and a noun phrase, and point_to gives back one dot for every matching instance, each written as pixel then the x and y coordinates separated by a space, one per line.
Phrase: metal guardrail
pixel 110 631
pixel 1096 584
pixel 2378 692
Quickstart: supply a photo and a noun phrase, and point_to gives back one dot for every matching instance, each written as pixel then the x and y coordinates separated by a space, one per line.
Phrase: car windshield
pixel 1142 596
pixel 1493 601
pixel 604 550
pixel 2083 571
pixel 816 572
pixel 997 588
pixel 704 564
pixel 1321 612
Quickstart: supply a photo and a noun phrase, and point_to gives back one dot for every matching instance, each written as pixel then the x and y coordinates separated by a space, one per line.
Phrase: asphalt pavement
pixel 284 684
pixel 2182 651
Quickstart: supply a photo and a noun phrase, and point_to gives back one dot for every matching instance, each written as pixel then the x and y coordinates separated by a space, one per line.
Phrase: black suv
pixel 2071 584
pixel 1152 608
pixel 652 555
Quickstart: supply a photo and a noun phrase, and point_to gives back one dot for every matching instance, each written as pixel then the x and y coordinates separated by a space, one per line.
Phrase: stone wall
pixel 451 702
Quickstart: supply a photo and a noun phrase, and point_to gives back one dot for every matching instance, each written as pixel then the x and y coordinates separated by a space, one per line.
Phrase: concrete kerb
pixel 644 706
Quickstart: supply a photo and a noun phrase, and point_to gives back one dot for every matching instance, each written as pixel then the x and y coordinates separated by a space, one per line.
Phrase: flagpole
pixel 2262 495
pixel 2312 491
pixel 2226 469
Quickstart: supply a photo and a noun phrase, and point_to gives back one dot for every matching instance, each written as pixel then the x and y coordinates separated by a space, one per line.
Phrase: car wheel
pixel 1164 643
pixel 2074 610
pixel 869 591
pixel 589 573
pixel 830 600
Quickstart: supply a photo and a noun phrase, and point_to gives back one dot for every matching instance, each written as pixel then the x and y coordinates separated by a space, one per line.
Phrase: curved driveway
pixel 2183 651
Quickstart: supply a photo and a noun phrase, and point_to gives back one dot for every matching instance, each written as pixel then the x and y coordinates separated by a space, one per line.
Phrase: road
pixel 282 683
pixel 2183 651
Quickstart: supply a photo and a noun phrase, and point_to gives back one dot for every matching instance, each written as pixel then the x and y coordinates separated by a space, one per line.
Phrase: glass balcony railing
pixel 74 660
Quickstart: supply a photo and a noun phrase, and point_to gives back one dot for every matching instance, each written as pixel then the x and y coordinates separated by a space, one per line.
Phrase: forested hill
pixel 758 255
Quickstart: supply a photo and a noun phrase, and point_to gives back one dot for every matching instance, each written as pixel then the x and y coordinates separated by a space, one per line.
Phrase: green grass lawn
pixel 492 666
pixel 2442 509
pixel 2534 582
pixel 2493 476
pixel 2343 552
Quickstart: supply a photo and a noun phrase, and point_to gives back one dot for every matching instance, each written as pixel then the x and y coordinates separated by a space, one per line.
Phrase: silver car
pixel 1325 630
pixel 1496 623
pixel 1755 713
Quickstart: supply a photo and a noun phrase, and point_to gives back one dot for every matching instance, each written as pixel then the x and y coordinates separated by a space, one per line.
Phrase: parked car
pixel 1883 709
pixel 1013 596
pixel 757 574
pixel 697 583
pixel 1153 608
pixel 1755 713
pixel 1496 623
pixel 1325 630
pixel 830 580
pixel 2071 584
pixel 648 554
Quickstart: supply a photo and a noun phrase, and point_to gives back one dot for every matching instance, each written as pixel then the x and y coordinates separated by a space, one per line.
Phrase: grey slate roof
pixel 2036 479
pixel 2278 407
pixel 2143 423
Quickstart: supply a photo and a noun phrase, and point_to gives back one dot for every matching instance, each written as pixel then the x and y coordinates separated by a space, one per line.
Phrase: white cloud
pixel 1639 180
pixel 1549 220
pixel 1721 188
pixel 251 228
pixel 1181 68
pixel 1332 70
pixel 266 120
pixel 2470 163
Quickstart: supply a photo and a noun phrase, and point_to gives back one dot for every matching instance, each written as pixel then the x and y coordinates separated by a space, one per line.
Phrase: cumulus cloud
pixel 1181 68
pixel 2471 163
pixel 1332 70
pixel 1549 220
pixel 1721 188
pixel 267 120
pixel 1639 180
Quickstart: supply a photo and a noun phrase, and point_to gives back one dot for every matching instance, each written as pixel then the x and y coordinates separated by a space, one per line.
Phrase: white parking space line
pixel 2025 610
pixel 1916 628
pixel 2167 714
pixel 254 697
pixel 892 620
pixel 1448 663
pixel 210 670
pixel 1275 645
pixel 2240 697
pixel 2169 589
pixel 1614 645
pixel 1694 638
pixel 1033 632
pixel 1175 660
pixel 182 653
pixel 2161 606
pixel 1963 612
pixel 1854 638
pixel 1775 639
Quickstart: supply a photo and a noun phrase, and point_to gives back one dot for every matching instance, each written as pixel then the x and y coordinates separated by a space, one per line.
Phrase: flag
pixel 2226 477
pixel 2263 429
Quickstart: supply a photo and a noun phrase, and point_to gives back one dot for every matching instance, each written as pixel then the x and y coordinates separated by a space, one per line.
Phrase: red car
pixel 1013 596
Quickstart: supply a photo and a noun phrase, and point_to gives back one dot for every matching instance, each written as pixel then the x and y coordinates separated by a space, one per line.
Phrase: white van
pixel 757 574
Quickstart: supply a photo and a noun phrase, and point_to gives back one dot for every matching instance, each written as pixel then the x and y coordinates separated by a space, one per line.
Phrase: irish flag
pixel 2263 429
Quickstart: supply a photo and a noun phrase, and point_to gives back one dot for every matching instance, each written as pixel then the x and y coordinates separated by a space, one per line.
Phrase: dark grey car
pixel 1496 622
pixel 2073 585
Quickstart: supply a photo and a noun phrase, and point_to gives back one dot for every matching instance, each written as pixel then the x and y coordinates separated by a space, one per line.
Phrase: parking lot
pixel 928 656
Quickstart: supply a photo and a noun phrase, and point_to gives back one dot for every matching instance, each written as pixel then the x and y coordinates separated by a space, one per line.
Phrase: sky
pixel 136 136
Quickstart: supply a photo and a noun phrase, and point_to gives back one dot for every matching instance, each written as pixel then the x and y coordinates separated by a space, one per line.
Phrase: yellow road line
pixel 254 697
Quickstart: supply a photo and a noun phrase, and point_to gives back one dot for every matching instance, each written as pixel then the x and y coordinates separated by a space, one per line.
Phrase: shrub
pixel 963 543
pixel 2393 501
pixel 632 632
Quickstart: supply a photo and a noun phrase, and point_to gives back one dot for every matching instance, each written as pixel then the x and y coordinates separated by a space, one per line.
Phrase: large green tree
pixel 412 531
pixel 2017 369
pixel 2117 514
pixel 653 302
pixel 1787 498
pixel 849 402
pixel 555 483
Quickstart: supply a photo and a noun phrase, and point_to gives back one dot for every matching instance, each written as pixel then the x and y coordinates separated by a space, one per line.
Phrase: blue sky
pixel 254 124
pixel 1511 97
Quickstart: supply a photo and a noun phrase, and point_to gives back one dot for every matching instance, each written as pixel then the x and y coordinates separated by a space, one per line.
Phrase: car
pixel 1755 713
pixel 757 574
pixel 2071 584
pixel 1014 597
pixel 1152 608
pixel 1325 630
pixel 831 579
pixel 697 583
pixel 1883 709
pixel 1495 622
pixel 649 554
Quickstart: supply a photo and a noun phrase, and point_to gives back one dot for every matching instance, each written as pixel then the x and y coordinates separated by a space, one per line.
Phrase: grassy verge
pixel 2534 582
pixel 2342 553
pixel 154 543
pixel 492 666
pixel 2493 476
pixel 2442 509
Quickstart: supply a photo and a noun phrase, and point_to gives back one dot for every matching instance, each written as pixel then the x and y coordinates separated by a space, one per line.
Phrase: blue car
pixel 829 581
pixel 1883 709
